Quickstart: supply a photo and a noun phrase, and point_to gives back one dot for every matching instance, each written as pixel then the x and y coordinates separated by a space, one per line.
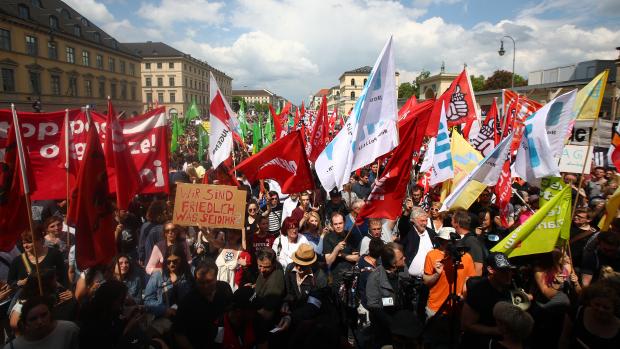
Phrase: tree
pixel 502 79
pixel 424 74
pixel 405 90
pixel 477 83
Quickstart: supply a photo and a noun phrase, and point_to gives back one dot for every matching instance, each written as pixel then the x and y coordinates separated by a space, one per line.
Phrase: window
pixel 159 65
pixel 365 81
pixel 111 64
pixel 65 13
pixel 52 50
pixel 101 89
pixel 149 98
pixel 70 54
pixel 73 86
pixel 186 82
pixel 77 31
pixel 123 91
pixel 5 39
pixel 113 90
pixel 352 94
pixel 85 58
pixel 133 93
pixel 147 65
pixel 97 37
pixel 173 97
pixel 32 47
pixel 99 60
pixel 88 87
pixel 8 80
pixel 148 82
pixel 171 65
pixel 35 82
pixel 23 12
pixel 171 81
pixel 56 85
pixel 84 22
pixel 132 69
pixel 352 82
pixel 36 3
pixel 160 97
pixel 122 66
pixel 160 82
pixel 54 22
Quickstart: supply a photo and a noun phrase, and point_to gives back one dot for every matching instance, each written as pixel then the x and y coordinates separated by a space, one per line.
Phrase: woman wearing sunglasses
pixel 172 235
pixel 166 287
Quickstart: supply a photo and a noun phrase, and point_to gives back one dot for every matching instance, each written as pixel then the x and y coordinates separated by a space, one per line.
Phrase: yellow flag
pixel 611 210
pixel 464 159
pixel 207 126
pixel 588 100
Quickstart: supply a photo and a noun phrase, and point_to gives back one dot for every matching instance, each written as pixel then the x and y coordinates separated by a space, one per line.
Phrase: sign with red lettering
pixel 213 206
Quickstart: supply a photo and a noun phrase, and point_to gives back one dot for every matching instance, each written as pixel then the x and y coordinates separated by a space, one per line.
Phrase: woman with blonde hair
pixel 312 229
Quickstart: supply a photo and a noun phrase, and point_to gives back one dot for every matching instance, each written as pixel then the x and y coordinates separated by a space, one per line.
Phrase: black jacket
pixel 411 242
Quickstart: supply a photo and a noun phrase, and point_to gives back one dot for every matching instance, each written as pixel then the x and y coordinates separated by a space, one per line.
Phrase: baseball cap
pixel 498 260
pixel 444 233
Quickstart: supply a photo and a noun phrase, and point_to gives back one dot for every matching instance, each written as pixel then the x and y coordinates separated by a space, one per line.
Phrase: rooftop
pixel 242 93
pixel 322 92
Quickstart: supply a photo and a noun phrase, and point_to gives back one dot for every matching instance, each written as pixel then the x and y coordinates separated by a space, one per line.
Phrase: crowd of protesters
pixel 303 274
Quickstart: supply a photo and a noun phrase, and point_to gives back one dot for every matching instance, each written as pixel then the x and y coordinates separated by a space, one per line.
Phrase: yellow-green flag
pixel 465 158
pixel 588 101
pixel 540 232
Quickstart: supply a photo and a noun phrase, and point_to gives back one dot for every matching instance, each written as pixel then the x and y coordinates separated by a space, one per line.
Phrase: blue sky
pixel 296 47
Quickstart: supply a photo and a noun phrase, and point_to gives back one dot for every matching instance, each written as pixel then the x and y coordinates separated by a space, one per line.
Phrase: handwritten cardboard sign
pixel 214 206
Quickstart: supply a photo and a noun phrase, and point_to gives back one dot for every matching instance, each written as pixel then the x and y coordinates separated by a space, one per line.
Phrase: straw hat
pixel 304 255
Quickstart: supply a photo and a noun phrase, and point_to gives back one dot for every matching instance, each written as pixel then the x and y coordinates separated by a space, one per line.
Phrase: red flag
pixel 459 103
pixel 503 192
pixel 406 109
pixel 276 123
pixel 320 132
pixel 13 206
pixel 90 211
pixel 119 161
pixel 388 192
pixel 283 161
pixel 492 120
pixel 414 110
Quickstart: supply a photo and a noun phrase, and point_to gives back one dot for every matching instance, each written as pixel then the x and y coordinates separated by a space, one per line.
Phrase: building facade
pixel 51 53
pixel 333 97
pixel 175 79
pixel 435 85
pixel 259 97
pixel 316 99
pixel 351 85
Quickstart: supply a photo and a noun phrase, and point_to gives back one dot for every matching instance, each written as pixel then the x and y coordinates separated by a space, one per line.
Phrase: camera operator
pixel 461 221
pixel 383 292
pixel 439 272
pixel 477 318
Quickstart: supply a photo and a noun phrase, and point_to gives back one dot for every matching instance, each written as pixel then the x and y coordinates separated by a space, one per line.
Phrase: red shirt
pixel 262 242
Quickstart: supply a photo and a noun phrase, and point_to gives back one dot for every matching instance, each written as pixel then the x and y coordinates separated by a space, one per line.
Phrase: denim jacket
pixel 159 290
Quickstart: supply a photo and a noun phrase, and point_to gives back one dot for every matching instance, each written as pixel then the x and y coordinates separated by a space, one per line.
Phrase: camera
pixel 456 248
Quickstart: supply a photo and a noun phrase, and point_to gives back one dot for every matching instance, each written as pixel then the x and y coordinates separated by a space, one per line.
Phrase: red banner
pixel 145 135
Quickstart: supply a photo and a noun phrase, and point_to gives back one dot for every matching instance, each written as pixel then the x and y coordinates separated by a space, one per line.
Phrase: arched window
pixel 65 13
pixel 352 82
pixel 77 31
pixel 365 81
pixel 352 94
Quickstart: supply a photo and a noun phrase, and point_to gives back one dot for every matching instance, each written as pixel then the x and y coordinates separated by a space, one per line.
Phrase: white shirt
pixel 417 264
pixel 288 249
pixel 364 245
pixel 287 208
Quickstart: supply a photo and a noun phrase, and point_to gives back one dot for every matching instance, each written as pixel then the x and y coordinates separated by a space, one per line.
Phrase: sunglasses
pixel 251 210
pixel 434 209
pixel 173 261
pixel 274 199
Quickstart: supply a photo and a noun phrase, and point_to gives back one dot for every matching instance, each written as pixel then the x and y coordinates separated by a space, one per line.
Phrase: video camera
pixel 456 248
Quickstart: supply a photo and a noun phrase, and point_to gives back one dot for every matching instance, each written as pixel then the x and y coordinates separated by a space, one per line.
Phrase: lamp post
pixel 514 53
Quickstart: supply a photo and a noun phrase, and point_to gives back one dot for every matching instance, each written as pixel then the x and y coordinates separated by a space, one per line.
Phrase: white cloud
pixel 171 11
pixel 91 9
pixel 125 31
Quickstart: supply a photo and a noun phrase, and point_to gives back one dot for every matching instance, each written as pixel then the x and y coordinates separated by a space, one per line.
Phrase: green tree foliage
pixel 477 82
pixel 405 90
pixel 502 79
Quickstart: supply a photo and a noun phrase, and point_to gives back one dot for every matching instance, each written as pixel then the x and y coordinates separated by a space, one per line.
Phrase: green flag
pixel 256 137
pixel 192 112
pixel 268 135
pixel 203 140
pixel 540 232
pixel 243 123
pixel 176 132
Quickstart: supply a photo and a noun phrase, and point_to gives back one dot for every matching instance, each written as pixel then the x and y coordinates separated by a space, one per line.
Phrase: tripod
pixel 451 301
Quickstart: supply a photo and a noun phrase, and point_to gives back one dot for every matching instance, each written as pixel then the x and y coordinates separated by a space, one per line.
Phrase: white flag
pixel 487 172
pixel 442 159
pixel 369 132
pixel 223 122
pixel 543 139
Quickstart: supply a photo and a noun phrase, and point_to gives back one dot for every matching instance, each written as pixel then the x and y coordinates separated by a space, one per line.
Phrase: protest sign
pixel 213 206
pixel 573 158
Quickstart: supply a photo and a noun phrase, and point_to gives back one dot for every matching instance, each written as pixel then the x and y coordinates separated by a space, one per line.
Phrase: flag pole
pixel 26 187
pixel 583 169
pixel 67 130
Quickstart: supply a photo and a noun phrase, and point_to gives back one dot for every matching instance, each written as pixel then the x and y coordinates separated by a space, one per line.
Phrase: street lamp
pixel 514 53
